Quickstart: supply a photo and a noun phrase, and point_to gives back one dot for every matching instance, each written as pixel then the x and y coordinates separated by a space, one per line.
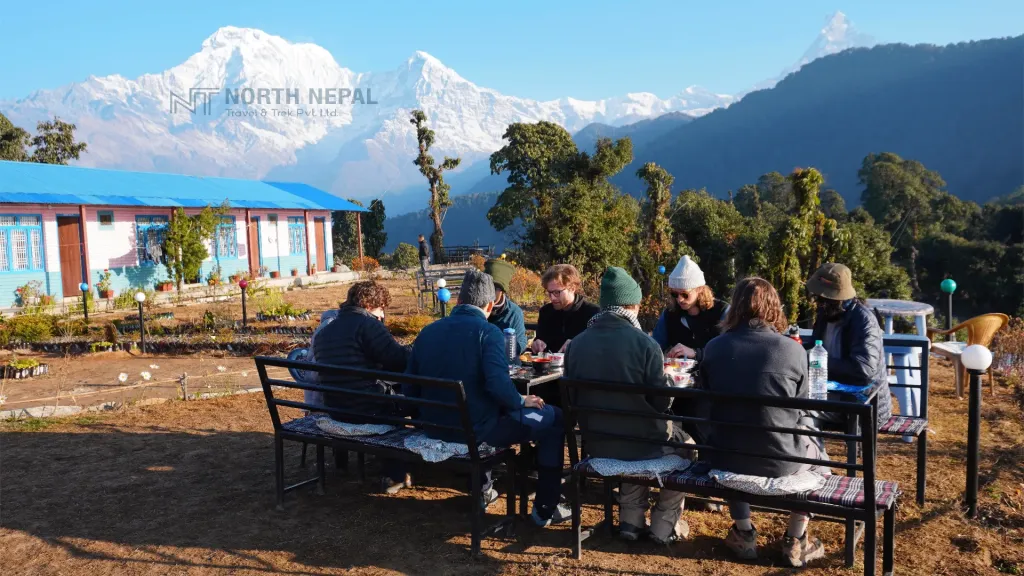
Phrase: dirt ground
pixel 187 488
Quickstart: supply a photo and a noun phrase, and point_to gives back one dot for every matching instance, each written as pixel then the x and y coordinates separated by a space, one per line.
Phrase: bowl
pixel 540 365
pixel 557 360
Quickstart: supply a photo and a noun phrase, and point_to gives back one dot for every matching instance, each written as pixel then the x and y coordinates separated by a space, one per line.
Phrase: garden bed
pixel 15 371
pixel 242 345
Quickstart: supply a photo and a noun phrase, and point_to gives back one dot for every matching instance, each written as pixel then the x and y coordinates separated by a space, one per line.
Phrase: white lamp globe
pixel 976 357
pixel 441 283
pixel 140 297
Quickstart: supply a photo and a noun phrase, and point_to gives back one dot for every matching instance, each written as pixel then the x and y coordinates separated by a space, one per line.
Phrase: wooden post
pixel 359 233
pixel 253 267
pixel 309 248
pixel 85 245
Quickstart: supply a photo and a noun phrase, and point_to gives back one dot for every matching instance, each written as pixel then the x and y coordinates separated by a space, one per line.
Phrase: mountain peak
pixel 837 35
pixel 231 36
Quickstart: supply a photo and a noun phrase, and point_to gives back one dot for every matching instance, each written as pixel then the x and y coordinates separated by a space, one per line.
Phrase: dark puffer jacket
pixel 862 360
pixel 358 339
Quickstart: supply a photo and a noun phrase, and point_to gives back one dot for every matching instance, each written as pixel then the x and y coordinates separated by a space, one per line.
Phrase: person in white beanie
pixel 693 314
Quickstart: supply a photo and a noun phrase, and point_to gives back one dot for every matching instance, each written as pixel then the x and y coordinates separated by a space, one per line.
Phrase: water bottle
pixel 818 371
pixel 510 346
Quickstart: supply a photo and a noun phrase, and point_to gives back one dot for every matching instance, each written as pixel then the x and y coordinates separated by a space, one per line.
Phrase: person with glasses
pixel 358 338
pixel 693 314
pixel 567 312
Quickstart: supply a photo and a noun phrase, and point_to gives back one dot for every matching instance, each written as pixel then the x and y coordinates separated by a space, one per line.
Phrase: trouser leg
pixel 633 503
pixel 666 513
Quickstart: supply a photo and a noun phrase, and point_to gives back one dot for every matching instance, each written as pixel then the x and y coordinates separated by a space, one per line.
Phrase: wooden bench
pixel 390 445
pixel 844 499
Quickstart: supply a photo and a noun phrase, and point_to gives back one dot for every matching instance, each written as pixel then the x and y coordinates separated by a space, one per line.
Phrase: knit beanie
pixel 619 289
pixel 686 276
pixel 502 273
pixel 477 289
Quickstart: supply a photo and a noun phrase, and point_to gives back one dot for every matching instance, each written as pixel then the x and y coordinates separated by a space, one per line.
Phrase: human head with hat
pixel 502 273
pixel 832 285
pixel 618 289
pixel 686 285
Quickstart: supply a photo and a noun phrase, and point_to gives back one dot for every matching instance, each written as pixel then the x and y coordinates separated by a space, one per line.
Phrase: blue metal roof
pixel 34 183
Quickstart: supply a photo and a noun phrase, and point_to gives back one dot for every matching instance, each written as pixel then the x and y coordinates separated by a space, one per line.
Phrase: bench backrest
pixel 453 388
pixel 865 412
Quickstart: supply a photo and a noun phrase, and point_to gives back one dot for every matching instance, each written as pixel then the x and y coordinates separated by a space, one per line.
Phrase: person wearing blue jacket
pixel 506 313
pixel 466 347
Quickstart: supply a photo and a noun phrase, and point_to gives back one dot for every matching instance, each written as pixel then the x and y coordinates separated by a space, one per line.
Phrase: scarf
pixel 616 311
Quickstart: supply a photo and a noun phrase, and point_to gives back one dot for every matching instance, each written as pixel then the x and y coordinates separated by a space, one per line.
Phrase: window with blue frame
pixel 149 239
pixel 296 235
pixel 227 238
pixel 21 243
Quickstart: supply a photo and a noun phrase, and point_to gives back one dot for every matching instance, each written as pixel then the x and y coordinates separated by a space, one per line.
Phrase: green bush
pixel 405 256
pixel 31 327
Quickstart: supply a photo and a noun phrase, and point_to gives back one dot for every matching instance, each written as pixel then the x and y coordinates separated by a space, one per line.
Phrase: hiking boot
pixel 559 514
pixel 488 497
pixel 681 532
pixel 743 543
pixel 389 486
pixel 799 551
pixel 629 532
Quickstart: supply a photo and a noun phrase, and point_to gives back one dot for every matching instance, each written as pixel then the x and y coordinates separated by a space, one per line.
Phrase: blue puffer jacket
pixel 464 347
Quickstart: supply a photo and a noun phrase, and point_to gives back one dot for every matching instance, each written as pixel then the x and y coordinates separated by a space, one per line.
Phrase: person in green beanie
pixel 614 348
pixel 506 314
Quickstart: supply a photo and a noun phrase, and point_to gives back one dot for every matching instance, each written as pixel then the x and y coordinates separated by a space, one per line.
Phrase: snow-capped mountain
pixel 837 35
pixel 357 145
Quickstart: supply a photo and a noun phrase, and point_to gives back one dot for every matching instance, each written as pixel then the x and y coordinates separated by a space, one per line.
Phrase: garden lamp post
pixel 443 296
pixel 949 286
pixel 661 282
pixel 85 300
pixel 976 359
pixel 140 297
pixel 243 284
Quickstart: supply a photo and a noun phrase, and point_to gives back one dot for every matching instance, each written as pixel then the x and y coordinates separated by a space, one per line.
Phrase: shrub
pixel 525 288
pixel 365 264
pixel 1008 349
pixel 477 261
pixel 408 325
pixel 405 256
pixel 22 363
pixel 31 327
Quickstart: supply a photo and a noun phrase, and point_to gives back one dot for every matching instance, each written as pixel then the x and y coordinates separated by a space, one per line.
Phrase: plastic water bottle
pixel 818 371
pixel 510 346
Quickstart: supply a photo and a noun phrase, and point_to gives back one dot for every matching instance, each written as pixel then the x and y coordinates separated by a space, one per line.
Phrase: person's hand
pixel 532 401
pixel 538 346
pixel 564 346
pixel 681 351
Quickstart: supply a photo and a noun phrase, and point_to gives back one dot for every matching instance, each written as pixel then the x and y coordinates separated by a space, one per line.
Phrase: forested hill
pixel 957 109
pixel 465 223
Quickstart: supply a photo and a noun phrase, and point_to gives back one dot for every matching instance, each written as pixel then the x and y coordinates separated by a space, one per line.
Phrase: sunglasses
pixel 684 295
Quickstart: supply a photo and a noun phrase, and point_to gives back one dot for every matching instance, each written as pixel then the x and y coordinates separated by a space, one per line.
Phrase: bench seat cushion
pixel 306 426
pixel 904 425
pixel 838 490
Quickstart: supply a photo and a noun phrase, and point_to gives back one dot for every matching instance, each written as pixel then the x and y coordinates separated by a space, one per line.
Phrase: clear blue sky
pixel 546 49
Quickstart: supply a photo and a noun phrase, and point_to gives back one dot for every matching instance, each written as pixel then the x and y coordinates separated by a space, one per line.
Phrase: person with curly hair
pixel 358 338
pixel 693 314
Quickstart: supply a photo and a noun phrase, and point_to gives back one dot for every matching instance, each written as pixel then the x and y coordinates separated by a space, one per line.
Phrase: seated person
pixel 567 313
pixel 506 314
pixel 693 315
pixel 464 346
pixel 852 337
pixel 615 349
pixel 358 338
pixel 752 357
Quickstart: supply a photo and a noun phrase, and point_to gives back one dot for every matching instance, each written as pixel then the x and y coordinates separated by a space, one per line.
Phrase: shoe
pixel 742 543
pixel 799 551
pixel 629 532
pixel 488 497
pixel 561 513
pixel 389 486
pixel 681 532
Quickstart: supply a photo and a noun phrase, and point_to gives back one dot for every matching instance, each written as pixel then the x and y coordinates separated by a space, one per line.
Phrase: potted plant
pixel 103 286
pixel 275 273
pixel 164 286
pixel 295 271
pixel 236 278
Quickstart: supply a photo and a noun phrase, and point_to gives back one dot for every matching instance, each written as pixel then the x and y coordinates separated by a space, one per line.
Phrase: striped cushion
pixel 904 425
pixel 838 490
pixel 396 439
